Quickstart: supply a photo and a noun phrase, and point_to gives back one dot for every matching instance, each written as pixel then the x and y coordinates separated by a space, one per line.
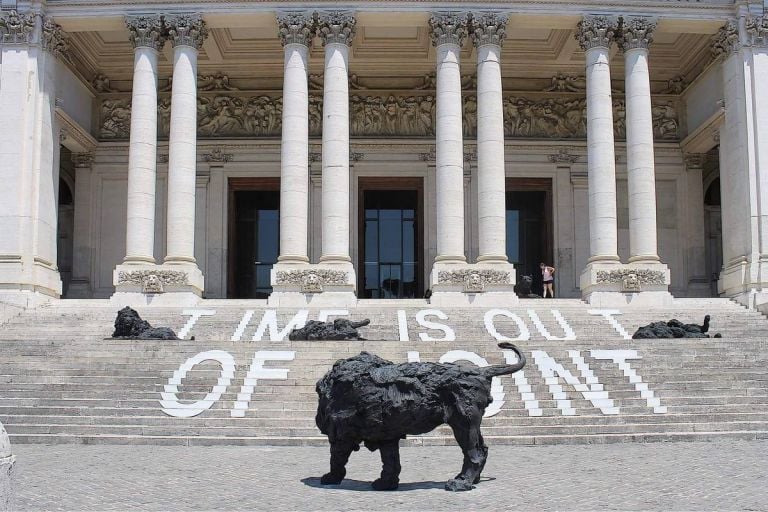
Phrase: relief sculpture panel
pixel 387 115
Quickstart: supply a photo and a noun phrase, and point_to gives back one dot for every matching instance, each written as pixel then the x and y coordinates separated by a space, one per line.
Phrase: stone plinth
pixel 172 285
pixel 616 284
pixel 7 460
pixel 299 285
pixel 473 285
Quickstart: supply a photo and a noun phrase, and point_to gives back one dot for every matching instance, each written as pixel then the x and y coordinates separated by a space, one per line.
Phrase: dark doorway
pixel 254 236
pixel 713 232
pixel 529 231
pixel 390 238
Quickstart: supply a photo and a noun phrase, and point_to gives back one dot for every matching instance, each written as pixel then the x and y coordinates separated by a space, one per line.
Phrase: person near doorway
pixel 548 276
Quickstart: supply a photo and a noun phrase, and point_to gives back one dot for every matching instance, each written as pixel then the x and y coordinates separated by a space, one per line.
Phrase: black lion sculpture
pixel 523 288
pixel 367 399
pixel 673 329
pixel 339 329
pixel 130 326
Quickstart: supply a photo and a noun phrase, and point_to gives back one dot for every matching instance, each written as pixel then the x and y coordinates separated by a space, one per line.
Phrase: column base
pixel 741 281
pixel 606 284
pixel 478 284
pixel 310 285
pixel 38 278
pixel 160 285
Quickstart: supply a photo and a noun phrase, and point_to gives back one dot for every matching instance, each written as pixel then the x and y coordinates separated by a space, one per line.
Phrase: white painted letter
pixel 269 320
pixel 325 313
pixel 450 335
pixel 241 327
pixel 257 371
pixel 523 387
pixel 525 334
pixel 497 391
pixel 170 402
pixel 608 314
pixel 194 315
pixel 620 358
pixel 569 334
pixel 402 325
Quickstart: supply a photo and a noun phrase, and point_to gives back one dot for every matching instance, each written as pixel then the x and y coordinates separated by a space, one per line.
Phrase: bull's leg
pixel 340 452
pixel 467 434
pixel 390 471
pixel 485 459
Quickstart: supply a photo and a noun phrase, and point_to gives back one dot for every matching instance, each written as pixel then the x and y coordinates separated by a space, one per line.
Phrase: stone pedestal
pixel 482 285
pixel 322 285
pixel 605 284
pixel 171 285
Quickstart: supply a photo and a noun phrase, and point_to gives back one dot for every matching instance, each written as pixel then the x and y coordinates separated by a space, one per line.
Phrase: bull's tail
pixel 506 369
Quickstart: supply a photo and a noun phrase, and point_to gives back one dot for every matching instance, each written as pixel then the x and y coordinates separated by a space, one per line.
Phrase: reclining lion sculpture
pixel 367 399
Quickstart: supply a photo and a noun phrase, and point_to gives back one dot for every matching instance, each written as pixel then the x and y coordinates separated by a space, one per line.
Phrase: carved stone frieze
pixel 488 28
pixel 563 156
pixel 567 83
pixel 401 115
pixel 474 280
pixel 296 28
pixel 631 279
pixel 53 38
pixel 336 27
pixel 636 32
pixel 217 155
pixel 726 41
pixel 214 82
pixel 312 280
pixel 101 83
pixel 16 28
pixel 757 30
pixel 448 28
pixel 596 31
pixel 153 281
pixel 676 85
pixel 186 30
pixel 146 31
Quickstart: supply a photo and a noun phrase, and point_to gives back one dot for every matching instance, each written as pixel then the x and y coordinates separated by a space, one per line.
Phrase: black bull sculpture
pixel 367 399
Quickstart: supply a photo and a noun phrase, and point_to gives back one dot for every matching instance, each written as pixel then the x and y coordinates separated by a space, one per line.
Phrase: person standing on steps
pixel 548 276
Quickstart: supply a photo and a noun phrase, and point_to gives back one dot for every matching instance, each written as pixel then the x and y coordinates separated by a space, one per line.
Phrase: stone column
pixel 488 33
pixel 186 33
pixel 635 38
pixel 698 280
pixel 147 38
pixel 448 32
pixel 80 286
pixel 296 33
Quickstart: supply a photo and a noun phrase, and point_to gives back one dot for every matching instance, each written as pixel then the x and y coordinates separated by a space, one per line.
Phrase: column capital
pixel 17 28
pixel 186 30
pixel 82 160
pixel 53 38
pixel 146 31
pixel 756 28
pixel 296 28
pixel 694 160
pixel 596 31
pixel 636 32
pixel 726 41
pixel 336 27
pixel 448 28
pixel 488 28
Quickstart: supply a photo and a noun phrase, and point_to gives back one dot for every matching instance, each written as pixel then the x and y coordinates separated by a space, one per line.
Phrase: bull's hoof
pixel 331 479
pixel 385 485
pixel 458 485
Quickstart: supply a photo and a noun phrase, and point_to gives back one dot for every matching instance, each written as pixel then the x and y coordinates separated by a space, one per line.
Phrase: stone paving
pixel 722 475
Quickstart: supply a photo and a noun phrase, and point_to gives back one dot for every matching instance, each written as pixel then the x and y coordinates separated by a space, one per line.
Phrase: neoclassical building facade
pixel 318 154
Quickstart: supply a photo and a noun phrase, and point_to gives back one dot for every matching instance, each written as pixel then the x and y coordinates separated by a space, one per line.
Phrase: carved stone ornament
pixel 631 279
pixel 726 41
pixel 636 32
pixel 101 83
pixel 474 281
pixel 16 28
pixel 312 280
pixel 596 31
pixel 146 31
pixel 336 27
pixel 53 38
pixel 153 281
pixel 448 28
pixel 488 28
pixel 214 82
pixel 567 83
pixel 757 30
pixel 82 160
pixel 695 160
pixel 676 85
pixel 186 30
pixel 563 156
pixel 296 28
pixel 217 155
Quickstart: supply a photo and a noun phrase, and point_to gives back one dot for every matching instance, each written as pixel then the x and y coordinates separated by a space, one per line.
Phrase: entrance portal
pixel 390 238
pixel 529 231
pixel 254 236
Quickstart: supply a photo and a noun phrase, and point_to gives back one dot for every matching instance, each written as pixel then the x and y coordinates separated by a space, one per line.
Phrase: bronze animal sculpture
pixel 367 399
pixel 130 326
pixel 523 288
pixel 339 329
pixel 673 329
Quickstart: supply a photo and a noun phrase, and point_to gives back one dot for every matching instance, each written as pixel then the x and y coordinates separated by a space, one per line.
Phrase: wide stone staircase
pixel 240 381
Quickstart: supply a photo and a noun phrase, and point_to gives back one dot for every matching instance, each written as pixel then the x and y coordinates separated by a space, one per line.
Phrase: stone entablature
pixel 20 28
pixel 396 113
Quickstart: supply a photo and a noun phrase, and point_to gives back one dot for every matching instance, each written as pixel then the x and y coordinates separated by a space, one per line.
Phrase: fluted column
pixel 296 33
pixel 147 38
pixel 594 35
pixel 336 29
pixel 186 33
pixel 635 38
pixel 488 33
pixel 448 32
